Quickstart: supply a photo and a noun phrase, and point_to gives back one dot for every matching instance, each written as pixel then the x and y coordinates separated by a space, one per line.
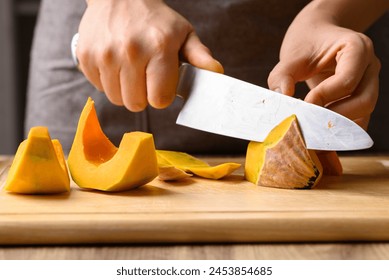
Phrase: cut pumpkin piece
pixel 282 160
pixel 190 164
pixel 95 163
pixel 39 166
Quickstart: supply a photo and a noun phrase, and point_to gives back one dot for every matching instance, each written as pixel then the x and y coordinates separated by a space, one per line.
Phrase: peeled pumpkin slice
pixel 190 164
pixel 282 160
pixel 95 163
pixel 39 166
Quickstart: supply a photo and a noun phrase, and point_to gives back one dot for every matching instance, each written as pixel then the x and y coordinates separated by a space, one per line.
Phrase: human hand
pixel 338 64
pixel 130 50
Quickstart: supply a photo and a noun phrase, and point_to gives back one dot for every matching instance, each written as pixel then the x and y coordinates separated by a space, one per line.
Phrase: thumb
pixel 197 54
pixel 282 78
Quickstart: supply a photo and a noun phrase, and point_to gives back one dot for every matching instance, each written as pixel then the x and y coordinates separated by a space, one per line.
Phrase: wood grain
pixel 352 207
pixel 272 251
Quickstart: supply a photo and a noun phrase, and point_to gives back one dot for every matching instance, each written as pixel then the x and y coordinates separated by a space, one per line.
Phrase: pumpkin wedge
pixel 95 163
pixel 39 165
pixel 187 163
pixel 282 160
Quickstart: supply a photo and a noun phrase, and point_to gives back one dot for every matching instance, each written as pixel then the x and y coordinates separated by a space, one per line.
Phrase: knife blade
pixel 224 105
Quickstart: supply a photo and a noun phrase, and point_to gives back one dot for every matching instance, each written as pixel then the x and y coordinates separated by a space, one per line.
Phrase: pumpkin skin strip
pixel 193 165
pixel 95 163
pixel 282 160
pixel 39 166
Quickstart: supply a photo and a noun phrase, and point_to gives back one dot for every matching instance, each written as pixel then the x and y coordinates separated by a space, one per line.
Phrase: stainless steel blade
pixel 224 105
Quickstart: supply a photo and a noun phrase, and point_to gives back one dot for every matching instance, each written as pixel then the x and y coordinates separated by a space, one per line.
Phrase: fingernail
pixel 278 90
pixel 219 67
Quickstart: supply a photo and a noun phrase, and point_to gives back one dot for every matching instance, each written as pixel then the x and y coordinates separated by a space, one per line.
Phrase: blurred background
pixel 17 20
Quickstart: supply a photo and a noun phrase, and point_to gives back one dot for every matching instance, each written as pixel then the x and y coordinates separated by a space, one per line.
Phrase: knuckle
pixel 105 55
pixel 160 40
pixel 360 40
pixel 131 47
pixel 349 84
pixel 368 43
pixel 83 54
pixel 98 56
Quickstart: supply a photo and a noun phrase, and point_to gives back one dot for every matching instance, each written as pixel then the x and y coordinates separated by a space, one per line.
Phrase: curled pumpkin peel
pixel 178 163
pixel 95 163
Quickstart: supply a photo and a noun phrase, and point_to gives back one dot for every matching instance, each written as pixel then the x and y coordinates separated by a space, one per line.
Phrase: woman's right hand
pixel 130 50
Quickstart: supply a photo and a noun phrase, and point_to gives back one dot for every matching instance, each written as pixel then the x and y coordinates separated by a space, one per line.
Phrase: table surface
pixel 275 251
pixel 280 250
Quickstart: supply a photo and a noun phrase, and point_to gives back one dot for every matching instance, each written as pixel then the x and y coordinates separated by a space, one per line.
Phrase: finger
pixel 284 77
pixel 133 87
pixel 162 80
pixel 199 55
pixel 111 84
pixel 88 66
pixel 363 122
pixel 362 101
pixel 352 62
pixel 330 163
pixel 92 74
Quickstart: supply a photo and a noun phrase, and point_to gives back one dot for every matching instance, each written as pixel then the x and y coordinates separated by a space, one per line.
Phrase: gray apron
pixel 244 35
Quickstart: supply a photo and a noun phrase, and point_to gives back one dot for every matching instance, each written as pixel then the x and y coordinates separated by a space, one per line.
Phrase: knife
pixel 224 105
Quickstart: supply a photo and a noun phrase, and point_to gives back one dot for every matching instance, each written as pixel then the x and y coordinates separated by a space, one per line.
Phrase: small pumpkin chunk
pixel 95 163
pixel 282 160
pixel 189 164
pixel 39 166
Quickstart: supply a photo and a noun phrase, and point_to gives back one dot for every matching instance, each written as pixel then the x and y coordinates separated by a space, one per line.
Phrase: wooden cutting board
pixel 354 206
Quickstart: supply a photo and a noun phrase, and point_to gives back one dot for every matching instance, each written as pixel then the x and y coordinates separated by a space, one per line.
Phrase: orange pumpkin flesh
pixel 95 163
pixel 39 166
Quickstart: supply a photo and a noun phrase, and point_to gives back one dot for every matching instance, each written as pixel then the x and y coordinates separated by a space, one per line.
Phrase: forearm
pixel 357 15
